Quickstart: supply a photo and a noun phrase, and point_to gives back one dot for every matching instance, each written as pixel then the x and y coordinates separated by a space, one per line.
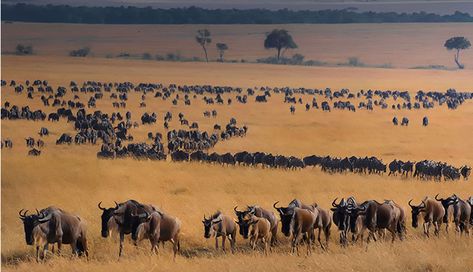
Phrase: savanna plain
pixel 73 178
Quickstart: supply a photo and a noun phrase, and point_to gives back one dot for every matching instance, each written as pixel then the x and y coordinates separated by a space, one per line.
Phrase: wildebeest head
pixel 30 222
pixel 341 214
pixel 210 225
pixel 446 202
pixel 285 213
pixel 416 210
pixel 243 225
pixel 107 214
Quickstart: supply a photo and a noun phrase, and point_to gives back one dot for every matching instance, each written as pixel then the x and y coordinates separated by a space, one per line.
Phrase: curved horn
pixel 116 205
pixel 24 214
pixel 100 207
pixel 334 202
pixel 438 199
pixel 37 212
pixel 46 218
pixel 423 204
pixel 274 205
pixel 412 206
pixel 235 209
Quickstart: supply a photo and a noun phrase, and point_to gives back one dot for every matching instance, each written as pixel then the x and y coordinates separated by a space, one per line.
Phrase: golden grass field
pixel 72 178
pixel 398 45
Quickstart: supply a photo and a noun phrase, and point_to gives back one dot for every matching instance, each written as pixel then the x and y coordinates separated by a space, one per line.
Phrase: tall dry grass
pixel 72 177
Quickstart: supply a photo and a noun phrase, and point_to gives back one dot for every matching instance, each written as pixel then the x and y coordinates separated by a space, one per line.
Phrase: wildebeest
pixel 461 212
pixel 109 225
pixel 258 212
pixel 125 217
pixel 425 121
pixel 302 223
pixel 405 121
pixel 432 212
pixel 323 221
pixel 157 227
pixel 259 230
pixel 53 225
pixel 220 225
pixel 395 121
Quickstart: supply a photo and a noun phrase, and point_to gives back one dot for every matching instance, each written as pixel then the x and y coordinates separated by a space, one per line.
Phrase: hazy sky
pixel 440 7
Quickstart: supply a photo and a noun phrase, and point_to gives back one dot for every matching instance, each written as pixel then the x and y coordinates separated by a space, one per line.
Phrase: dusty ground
pixel 398 45
pixel 71 177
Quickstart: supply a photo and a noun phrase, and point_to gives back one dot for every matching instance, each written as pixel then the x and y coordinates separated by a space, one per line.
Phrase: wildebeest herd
pixel 299 222
pixel 188 143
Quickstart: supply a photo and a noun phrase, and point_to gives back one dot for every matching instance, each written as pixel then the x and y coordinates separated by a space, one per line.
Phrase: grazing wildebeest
pixel 34 152
pixel 220 225
pixel 425 121
pixel 461 212
pixel 465 172
pixel 52 225
pixel 259 230
pixel 395 121
pixel 432 213
pixel 405 121
pixel 259 212
pixel 157 227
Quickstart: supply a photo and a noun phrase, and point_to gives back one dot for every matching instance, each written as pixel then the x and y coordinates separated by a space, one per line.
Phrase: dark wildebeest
pixel 157 227
pixel 395 121
pixel 323 221
pixel 109 225
pixel 220 225
pixel 124 216
pixel 53 225
pixel 461 212
pixel 341 218
pixel 465 171
pixel 259 212
pixel 425 121
pixel 432 213
pixel 405 121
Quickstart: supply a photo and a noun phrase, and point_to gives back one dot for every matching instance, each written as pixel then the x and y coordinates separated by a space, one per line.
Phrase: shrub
pixel 146 56
pixel 173 56
pixel 124 55
pixel 24 49
pixel 159 57
pixel 82 52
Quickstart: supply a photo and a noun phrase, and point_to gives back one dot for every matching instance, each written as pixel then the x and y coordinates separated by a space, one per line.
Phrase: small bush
pixel 196 59
pixel 82 52
pixel 173 56
pixel 146 56
pixel 24 50
pixel 159 57
pixel 124 55
pixel 315 63
pixel 354 61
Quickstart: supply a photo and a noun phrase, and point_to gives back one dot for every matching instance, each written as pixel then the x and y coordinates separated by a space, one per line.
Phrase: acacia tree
pixel 204 38
pixel 457 43
pixel 279 39
pixel 221 47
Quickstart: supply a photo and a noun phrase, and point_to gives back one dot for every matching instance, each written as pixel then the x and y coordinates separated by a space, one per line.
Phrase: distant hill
pixel 195 15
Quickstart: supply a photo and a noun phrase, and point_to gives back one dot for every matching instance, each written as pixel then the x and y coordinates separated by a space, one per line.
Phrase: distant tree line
pixel 195 15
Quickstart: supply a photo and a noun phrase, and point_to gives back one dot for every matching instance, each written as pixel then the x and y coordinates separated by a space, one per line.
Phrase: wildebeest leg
pixel 426 229
pixel 37 253
pixel 265 244
pixel 223 242
pixel 216 242
pixel 436 228
pixel 318 238
pixel 327 236
pixel 122 238
pixel 175 247
pixel 59 246
pixel 45 251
